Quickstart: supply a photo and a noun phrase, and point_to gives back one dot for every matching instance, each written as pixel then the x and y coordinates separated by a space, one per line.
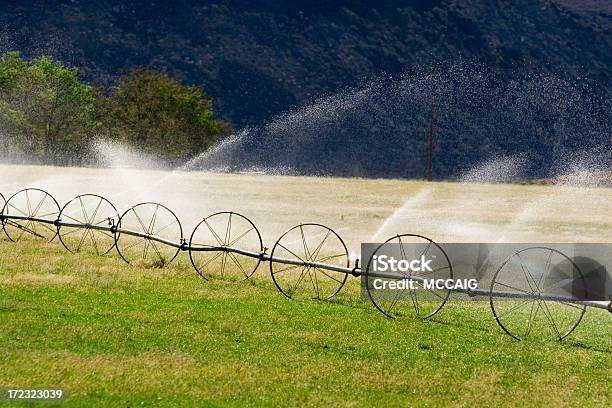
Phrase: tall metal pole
pixel 430 152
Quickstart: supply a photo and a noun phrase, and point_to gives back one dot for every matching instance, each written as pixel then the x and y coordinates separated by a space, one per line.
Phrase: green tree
pixel 46 113
pixel 12 68
pixel 161 116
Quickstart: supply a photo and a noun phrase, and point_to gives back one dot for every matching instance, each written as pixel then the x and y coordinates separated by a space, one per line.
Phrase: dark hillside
pixel 258 59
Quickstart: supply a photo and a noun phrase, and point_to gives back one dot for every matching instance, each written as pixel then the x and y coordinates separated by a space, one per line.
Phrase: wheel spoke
pixel 575 306
pixel 436 293
pixel 512 287
pixel 301 277
pixel 85 216
pixel 93 217
pixel 45 226
pixel 526 272
pixel 74 219
pixel 551 318
pixel 308 257
pixel 82 240
pixel 142 225
pixel 165 227
pixel 329 276
pixel 72 231
pixel 241 236
pixel 235 261
pixel 212 231
pixel 330 257
pixel 402 254
pixel 46 214
pixel 425 250
pixel 145 250
pixel 106 234
pixel 514 308
pixel 18 209
pixel 316 279
pixel 314 286
pixel 395 300
pixel 157 251
pixel 153 219
pixel 23 229
pixel 318 248
pixel 532 317
pixel 228 232
pixel 291 252
pixel 102 221
pixel 287 269
pixel 134 244
pixel 39 206
pixel 420 275
pixel 212 259
pixel 93 241
pixel 27 194
pixel 415 300
pixel 223 262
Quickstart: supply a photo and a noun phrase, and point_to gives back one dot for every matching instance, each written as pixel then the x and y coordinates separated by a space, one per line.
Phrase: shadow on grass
pixel 581 345
pixel 439 320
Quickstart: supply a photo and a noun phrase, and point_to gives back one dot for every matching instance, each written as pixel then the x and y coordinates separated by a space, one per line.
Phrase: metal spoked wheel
pixel 306 244
pixel 31 203
pixel 2 203
pixel 217 232
pixel 392 293
pixel 90 213
pixel 149 220
pixel 524 289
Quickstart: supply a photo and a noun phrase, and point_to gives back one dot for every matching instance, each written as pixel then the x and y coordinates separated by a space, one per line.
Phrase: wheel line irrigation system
pixel 137 236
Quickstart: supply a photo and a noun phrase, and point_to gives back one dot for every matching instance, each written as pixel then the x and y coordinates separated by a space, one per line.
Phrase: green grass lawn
pixel 115 335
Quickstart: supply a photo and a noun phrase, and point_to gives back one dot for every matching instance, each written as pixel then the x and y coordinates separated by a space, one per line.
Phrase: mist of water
pixel 327 137
pixel 270 140
pixel 459 219
pixel 379 128
pixel 415 201
pixel 496 170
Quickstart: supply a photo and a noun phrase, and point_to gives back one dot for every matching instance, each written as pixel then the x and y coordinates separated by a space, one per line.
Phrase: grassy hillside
pixel 114 335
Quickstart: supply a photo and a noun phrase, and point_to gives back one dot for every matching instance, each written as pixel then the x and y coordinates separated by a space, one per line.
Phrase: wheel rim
pixel 421 303
pixel 151 219
pixel 89 210
pixel 31 203
pixel 529 274
pixel 2 204
pixel 309 243
pixel 225 229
